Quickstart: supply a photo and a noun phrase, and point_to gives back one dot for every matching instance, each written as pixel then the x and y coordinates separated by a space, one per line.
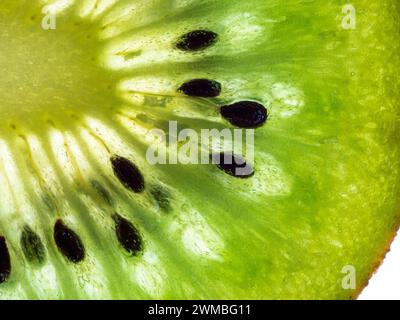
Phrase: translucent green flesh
pixel 325 193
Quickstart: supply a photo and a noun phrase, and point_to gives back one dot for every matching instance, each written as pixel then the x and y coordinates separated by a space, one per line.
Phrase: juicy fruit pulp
pixel 84 215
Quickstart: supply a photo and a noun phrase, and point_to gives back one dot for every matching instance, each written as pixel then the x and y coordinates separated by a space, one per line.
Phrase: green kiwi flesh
pixel 84 215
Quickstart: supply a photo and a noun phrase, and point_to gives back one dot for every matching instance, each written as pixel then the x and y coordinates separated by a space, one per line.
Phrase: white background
pixel 385 284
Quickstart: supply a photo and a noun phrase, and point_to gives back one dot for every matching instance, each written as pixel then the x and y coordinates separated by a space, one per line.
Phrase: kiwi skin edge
pixel 379 260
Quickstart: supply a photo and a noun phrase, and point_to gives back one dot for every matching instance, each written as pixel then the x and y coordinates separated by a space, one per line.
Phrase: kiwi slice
pixel 84 215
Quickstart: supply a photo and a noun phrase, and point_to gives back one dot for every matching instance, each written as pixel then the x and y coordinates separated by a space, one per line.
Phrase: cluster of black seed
pixel 242 114
pixel 68 241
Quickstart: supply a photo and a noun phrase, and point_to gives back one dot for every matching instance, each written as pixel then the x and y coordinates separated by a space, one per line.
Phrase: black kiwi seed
pixel 233 165
pixel 5 261
pixel 245 114
pixel 128 236
pixel 32 246
pixel 197 40
pixel 128 174
pixel 68 242
pixel 203 88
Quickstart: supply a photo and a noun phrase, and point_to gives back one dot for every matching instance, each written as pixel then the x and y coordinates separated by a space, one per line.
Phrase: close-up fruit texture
pixel 84 214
